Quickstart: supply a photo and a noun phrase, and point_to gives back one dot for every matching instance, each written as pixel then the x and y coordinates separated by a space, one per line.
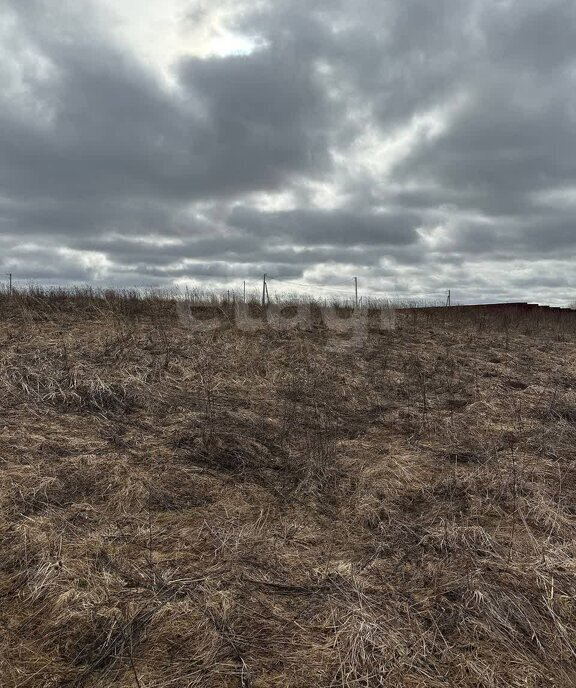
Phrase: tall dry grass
pixel 262 508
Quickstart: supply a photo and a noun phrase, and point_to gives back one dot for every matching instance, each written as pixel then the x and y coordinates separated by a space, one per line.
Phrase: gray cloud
pixel 337 228
pixel 411 143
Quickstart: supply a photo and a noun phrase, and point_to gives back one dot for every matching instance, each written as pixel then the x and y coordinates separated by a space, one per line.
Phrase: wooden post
pixel 448 299
pixel 356 292
pixel 10 275
pixel 244 291
pixel 264 291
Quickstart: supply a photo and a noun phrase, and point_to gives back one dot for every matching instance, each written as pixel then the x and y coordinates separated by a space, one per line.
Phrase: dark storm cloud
pixel 340 228
pixel 267 117
pixel 242 250
pixel 113 131
pixel 107 172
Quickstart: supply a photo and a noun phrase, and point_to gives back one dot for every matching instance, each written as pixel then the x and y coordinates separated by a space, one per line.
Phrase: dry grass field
pixel 237 509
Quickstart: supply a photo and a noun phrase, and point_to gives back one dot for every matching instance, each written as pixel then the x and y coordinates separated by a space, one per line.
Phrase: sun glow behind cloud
pixel 165 31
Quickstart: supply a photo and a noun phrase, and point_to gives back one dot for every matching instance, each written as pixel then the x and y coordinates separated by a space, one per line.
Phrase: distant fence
pixel 512 312
pixel 506 307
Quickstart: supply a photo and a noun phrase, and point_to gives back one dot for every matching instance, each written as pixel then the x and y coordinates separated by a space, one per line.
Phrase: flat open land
pixel 262 509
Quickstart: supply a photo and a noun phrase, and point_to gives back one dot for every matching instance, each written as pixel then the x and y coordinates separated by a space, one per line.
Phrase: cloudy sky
pixel 419 145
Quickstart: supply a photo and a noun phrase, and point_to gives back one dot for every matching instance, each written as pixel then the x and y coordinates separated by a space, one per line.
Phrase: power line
pixel 308 285
pixel 407 294
pixel 284 279
pixel 366 292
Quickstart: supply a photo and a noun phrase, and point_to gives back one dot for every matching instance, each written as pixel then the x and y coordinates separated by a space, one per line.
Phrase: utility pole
pixel 244 291
pixel 448 299
pixel 264 291
pixel 10 276
pixel 356 292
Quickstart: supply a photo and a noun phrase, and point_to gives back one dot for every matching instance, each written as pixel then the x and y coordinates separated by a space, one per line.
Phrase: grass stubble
pixel 259 509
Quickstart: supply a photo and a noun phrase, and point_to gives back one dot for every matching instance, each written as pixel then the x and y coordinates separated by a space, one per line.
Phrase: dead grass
pixel 257 509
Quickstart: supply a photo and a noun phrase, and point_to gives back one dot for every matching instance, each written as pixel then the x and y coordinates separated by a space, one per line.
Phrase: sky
pixel 417 145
